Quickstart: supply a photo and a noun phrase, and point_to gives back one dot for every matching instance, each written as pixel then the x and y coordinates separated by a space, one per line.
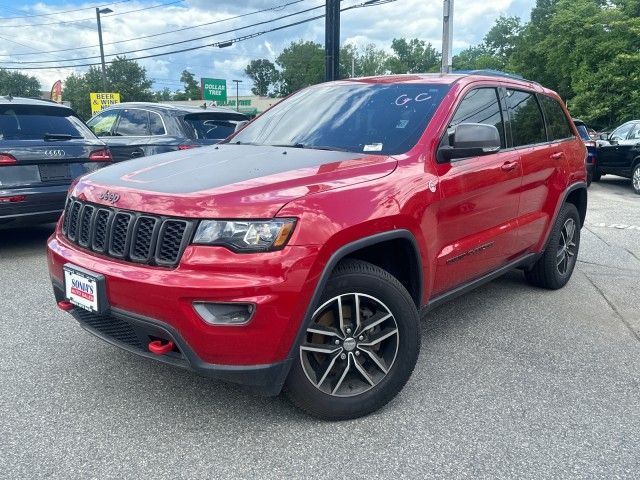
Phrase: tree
pixel 163 95
pixel 414 56
pixel 477 58
pixel 502 39
pixel 18 84
pixel 123 76
pixel 264 75
pixel 301 64
pixel 191 87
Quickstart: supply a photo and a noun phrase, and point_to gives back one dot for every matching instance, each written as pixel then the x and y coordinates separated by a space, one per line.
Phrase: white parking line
pixel 619 226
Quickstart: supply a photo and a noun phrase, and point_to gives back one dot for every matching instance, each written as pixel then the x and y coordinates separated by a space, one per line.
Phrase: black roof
pixel 9 100
pixel 165 108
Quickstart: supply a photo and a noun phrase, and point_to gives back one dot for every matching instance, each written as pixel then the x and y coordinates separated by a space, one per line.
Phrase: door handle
pixel 137 153
pixel 557 155
pixel 508 166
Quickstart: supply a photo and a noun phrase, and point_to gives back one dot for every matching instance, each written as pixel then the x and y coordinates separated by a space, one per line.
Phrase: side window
pixel 155 124
pixel 635 133
pixel 102 123
pixel 558 126
pixel 133 122
pixel 621 133
pixel 527 124
pixel 479 106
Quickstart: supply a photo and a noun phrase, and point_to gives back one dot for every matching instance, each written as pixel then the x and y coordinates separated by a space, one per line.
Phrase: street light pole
pixel 447 36
pixel 104 73
pixel 238 82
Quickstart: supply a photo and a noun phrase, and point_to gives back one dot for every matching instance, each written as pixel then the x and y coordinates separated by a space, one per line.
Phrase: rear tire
pixel 349 364
pixel 635 179
pixel 554 268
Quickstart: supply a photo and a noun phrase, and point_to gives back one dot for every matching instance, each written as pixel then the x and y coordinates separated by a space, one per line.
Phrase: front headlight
pixel 245 236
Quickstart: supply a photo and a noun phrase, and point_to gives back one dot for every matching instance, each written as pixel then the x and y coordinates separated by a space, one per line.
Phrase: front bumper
pixel 156 302
pixel 134 332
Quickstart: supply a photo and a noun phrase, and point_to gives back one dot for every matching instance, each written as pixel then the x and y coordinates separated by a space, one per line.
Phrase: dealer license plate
pixel 82 288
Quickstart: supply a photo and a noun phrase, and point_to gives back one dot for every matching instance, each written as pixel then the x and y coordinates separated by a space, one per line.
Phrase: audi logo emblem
pixel 54 153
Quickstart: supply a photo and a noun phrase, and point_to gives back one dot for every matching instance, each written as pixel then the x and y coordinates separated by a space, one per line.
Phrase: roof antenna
pixel 9 97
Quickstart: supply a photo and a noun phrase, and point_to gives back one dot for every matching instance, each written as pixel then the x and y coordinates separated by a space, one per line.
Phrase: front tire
pixel 596 175
pixel 360 348
pixel 553 270
pixel 635 179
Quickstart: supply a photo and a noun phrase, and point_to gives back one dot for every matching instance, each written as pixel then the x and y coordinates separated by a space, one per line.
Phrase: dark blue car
pixel 44 146
pixel 591 148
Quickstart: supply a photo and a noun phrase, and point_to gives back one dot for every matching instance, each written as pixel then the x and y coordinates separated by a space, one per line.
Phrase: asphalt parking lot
pixel 511 382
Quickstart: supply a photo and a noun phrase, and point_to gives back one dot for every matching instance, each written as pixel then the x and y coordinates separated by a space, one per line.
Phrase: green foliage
pixel 123 76
pixel 413 56
pixel 191 87
pixel 163 95
pixel 264 76
pixel 18 84
pixel 301 64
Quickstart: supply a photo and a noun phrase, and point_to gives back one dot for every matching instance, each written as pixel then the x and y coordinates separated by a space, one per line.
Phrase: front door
pixel 477 214
pixel 616 157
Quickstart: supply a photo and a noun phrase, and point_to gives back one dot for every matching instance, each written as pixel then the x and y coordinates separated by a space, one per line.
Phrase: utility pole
pixel 332 40
pixel 447 36
pixel 353 66
pixel 104 73
pixel 237 82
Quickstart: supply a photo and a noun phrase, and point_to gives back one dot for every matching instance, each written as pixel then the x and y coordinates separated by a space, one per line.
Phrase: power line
pixel 23 25
pixel 31 62
pixel 279 7
pixel 369 3
pixel 63 11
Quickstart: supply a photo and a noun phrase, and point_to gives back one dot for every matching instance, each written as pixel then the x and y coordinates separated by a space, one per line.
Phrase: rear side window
pixel 32 122
pixel 527 124
pixel 155 124
pixel 558 127
pixel 133 122
pixel 480 106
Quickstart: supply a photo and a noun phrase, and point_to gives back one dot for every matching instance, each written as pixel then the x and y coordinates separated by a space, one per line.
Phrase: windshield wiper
pixel 59 136
pixel 313 147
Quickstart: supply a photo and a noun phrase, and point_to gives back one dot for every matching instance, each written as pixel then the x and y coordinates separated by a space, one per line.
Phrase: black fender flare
pixel 335 258
pixel 570 189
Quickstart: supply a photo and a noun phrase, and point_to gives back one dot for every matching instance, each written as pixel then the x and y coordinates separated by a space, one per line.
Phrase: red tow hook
pixel 65 305
pixel 157 347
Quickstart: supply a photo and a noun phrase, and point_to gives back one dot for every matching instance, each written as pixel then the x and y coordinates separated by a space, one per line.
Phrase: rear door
pixel 477 215
pixel 131 134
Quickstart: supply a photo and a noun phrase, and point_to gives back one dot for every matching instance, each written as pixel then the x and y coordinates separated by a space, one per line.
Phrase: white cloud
pixel 378 24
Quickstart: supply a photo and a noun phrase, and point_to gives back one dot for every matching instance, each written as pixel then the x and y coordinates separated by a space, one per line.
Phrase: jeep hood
pixel 227 181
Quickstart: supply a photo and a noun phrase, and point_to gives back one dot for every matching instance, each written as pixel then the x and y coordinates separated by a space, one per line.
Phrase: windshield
pixel 358 117
pixel 31 122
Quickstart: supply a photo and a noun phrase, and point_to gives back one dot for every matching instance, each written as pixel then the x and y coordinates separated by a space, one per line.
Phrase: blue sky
pixel 39 30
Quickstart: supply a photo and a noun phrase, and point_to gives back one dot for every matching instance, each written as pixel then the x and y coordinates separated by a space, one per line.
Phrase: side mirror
pixel 603 136
pixel 470 140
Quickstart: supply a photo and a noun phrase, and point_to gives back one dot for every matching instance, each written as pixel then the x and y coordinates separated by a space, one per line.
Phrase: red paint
pixel 468 217
pixel 13 198
pixel 160 347
pixel 6 159
pixel 102 155
pixel 65 305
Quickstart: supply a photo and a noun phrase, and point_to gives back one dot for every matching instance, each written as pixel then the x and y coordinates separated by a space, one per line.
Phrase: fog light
pixel 224 313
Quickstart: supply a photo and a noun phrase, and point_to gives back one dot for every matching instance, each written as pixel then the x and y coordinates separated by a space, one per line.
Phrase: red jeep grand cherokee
pixel 299 253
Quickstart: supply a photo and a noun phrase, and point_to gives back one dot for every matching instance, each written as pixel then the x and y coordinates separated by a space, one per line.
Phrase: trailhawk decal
pixel 473 251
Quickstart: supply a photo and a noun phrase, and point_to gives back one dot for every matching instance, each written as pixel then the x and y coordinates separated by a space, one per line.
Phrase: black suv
pixel 44 146
pixel 139 129
pixel 619 154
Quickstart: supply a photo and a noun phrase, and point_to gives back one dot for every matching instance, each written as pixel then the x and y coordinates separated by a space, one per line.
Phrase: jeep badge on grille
pixel 110 197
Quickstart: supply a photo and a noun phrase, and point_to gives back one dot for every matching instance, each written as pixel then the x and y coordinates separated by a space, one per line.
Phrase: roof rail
pixel 493 73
